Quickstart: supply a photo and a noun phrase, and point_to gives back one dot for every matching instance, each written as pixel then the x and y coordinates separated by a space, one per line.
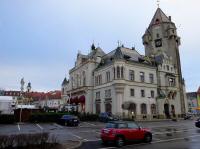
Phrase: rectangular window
pixel 100 79
pixel 142 76
pixel 151 78
pixel 142 93
pixel 131 75
pixel 168 67
pixel 108 76
pixel 132 92
pixel 108 93
pixel 152 94
pixel 97 95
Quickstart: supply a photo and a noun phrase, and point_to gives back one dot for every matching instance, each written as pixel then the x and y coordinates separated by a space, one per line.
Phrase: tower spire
pixel 158 3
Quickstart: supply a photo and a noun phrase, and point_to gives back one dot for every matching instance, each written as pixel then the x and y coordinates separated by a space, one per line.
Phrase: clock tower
pixel 161 40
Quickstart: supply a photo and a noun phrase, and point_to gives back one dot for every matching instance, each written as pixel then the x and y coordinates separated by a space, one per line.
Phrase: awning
pixel 197 108
pixel 82 99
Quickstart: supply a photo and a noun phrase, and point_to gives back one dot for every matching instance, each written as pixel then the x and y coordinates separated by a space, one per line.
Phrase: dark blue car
pixel 69 120
pixel 107 116
pixel 197 123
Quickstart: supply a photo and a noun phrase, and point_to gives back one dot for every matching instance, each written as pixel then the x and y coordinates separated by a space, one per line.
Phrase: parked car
pixel 107 116
pixel 69 120
pixel 121 132
pixel 197 123
pixel 188 116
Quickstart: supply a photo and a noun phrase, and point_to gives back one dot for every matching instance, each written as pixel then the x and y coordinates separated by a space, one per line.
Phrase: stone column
pixel 119 90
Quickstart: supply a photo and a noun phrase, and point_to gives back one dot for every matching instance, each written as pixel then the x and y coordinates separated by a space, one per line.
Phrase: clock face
pixel 158 43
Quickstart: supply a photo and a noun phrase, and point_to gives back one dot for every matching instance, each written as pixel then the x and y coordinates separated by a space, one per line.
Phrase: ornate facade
pixel 129 84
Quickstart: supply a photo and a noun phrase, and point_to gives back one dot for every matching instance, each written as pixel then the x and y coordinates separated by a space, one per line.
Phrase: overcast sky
pixel 39 39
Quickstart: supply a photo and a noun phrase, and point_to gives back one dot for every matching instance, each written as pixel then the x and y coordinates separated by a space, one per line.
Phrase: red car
pixel 121 132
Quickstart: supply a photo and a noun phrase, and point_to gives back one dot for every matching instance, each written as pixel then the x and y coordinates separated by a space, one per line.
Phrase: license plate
pixel 75 120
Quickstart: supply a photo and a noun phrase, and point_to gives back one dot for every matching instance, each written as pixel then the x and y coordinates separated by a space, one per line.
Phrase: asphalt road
pixel 166 134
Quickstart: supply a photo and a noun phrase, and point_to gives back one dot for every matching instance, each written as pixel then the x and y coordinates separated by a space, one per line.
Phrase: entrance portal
pixel 166 110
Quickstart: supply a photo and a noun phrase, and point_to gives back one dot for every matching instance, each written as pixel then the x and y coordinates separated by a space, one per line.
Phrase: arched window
pixel 118 72
pixel 108 107
pixel 84 78
pixel 153 109
pixel 98 108
pixel 122 72
pixel 143 108
pixel 132 108
pixel 114 72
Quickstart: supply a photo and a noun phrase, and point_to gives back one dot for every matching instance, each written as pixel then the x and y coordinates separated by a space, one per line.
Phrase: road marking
pixel 57 125
pixel 76 136
pixel 154 142
pixel 166 132
pixel 161 126
pixel 90 124
pixel 85 140
pixel 156 139
pixel 18 127
pixel 174 139
pixel 40 126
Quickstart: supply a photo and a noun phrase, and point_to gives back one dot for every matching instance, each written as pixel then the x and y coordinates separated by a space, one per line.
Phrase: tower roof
pixel 118 53
pixel 64 81
pixel 159 17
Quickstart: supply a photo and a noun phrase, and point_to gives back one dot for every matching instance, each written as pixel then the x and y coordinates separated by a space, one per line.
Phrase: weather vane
pixel 158 3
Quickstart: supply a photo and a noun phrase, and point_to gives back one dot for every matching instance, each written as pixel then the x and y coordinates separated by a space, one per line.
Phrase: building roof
pixel 123 53
pixel 65 82
pixel 159 17
pixel 96 52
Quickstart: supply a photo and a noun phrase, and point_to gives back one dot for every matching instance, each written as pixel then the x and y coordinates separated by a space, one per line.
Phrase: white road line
pixel 57 125
pixel 174 139
pixel 156 139
pixel 90 124
pixel 40 126
pixel 18 127
pixel 85 140
pixel 154 142
pixel 165 126
pixel 76 136
pixel 166 132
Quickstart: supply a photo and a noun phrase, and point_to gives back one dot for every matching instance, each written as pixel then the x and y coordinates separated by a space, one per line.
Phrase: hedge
pixel 7 119
pixel 46 117
pixel 88 117
pixel 26 141
pixel 54 117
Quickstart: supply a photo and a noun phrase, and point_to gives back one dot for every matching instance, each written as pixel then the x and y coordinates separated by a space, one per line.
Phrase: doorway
pixel 166 111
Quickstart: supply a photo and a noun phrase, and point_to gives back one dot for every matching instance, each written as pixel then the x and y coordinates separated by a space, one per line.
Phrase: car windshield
pixel 110 125
pixel 67 116
pixel 132 125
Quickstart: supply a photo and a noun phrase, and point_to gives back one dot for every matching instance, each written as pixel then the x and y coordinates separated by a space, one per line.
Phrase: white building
pixel 7 104
pixel 128 84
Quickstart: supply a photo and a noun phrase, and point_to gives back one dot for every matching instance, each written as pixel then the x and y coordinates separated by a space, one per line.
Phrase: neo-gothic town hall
pixel 129 84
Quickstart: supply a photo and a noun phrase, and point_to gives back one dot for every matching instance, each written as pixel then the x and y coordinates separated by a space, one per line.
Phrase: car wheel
pixel 120 141
pixel 148 138
pixel 104 142
pixel 65 123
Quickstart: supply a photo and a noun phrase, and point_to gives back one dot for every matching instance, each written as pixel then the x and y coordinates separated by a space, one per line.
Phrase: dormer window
pixel 157 21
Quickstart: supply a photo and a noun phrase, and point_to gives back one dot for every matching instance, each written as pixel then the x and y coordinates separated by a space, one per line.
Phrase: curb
pixel 76 146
